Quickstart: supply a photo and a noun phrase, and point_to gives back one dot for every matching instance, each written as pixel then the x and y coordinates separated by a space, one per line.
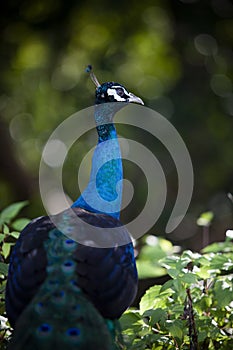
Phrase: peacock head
pixel 112 92
pixel 115 92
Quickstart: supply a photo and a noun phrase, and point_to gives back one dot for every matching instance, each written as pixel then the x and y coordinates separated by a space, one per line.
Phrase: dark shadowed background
pixel 176 55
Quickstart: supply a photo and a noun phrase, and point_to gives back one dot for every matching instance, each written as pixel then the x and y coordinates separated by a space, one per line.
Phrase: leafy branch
pixel 10 228
pixel 191 311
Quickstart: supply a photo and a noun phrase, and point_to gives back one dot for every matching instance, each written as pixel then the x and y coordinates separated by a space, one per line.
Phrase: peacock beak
pixel 135 99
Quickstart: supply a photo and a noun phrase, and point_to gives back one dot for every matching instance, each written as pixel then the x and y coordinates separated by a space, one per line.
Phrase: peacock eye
pixel 120 92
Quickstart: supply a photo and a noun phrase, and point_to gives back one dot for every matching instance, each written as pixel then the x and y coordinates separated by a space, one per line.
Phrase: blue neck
pixel 103 193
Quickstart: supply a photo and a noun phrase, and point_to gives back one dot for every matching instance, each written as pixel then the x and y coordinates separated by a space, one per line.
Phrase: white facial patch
pixel 112 92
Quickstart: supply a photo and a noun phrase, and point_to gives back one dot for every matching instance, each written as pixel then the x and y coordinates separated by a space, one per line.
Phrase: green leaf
pixel 148 269
pixel 131 320
pixel 218 261
pixel 154 298
pixel 148 298
pixel 203 303
pixel 173 273
pixel 156 315
pixel 6 229
pixel 205 260
pixel 189 278
pixel 2 287
pixel 170 261
pixel 223 292
pixel 176 332
pixel 175 329
pixel 203 272
pixel 19 224
pixel 155 249
pixel 11 211
pixel 205 219
pixel 3 269
pixel 179 286
pixel 189 256
pixel 167 285
pixel 15 234
pixel 6 249
pixel 178 309
pixel 218 247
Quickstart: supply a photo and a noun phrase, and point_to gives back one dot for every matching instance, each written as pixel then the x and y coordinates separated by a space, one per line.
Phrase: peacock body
pixel 65 289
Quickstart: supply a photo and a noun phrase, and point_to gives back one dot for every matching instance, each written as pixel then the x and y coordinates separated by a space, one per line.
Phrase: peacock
pixel 72 275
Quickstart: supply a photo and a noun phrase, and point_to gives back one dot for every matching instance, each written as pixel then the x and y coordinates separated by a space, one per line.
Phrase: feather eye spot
pixel 69 244
pixel 45 327
pixel 68 266
pixel 44 330
pixel 69 241
pixel 73 332
pixel 68 263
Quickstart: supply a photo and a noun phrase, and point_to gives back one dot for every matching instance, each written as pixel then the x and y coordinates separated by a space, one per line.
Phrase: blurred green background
pixel 176 55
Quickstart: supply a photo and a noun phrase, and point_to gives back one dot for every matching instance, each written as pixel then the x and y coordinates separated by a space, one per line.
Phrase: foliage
pixel 152 246
pixel 10 228
pixel 193 310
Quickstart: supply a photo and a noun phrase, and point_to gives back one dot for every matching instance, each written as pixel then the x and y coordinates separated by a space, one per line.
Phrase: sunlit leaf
pixel 148 269
pixel 6 249
pixel 15 234
pixel 6 229
pixel 154 297
pixel 205 219
pixel 19 224
pixel 11 211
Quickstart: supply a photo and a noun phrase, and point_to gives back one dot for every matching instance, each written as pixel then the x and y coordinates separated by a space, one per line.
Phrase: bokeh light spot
pixel 221 85
pixel 206 44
